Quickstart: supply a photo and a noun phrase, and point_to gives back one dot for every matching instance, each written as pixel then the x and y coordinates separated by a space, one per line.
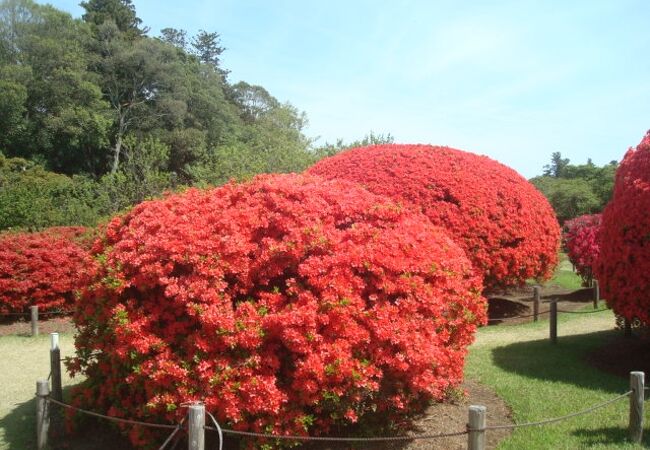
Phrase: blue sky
pixel 514 80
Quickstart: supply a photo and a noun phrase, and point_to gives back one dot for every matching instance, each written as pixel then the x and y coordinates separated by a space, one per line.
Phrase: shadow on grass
pixel 565 362
pixel 607 436
pixel 20 426
pixel 20 430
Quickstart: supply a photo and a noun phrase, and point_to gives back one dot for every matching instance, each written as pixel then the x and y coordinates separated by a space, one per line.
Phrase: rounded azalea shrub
pixel 624 265
pixel 288 304
pixel 506 226
pixel 46 269
pixel 581 242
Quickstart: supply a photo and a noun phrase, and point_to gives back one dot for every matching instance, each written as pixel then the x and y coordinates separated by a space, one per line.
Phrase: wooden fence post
pixel 553 322
pixel 537 295
pixel 55 367
pixel 34 314
pixel 594 283
pixel 42 414
pixel 476 425
pixel 628 328
pixel 636 406
pixel 196 424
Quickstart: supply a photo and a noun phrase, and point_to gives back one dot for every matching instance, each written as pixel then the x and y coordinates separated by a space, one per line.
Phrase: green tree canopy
pixel 574 190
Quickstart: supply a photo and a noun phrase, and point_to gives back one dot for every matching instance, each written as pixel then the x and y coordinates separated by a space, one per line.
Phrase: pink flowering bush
pixel 581 242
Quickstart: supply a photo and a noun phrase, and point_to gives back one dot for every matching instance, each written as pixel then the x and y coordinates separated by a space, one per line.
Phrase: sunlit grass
pixel 539 380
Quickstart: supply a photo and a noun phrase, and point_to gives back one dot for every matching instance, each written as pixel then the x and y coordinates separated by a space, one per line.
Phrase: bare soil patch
pixel 507 307
pixel 22 326
pixel 437 419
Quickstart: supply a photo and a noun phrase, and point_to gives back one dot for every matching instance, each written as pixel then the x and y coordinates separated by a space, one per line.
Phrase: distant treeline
pixel 574 190
pixel 96 115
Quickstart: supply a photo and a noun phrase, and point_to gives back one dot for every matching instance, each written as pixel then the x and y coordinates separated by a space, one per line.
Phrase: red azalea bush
pixel 506 226
pixel 581 242
pixel 44 269
pixel 288 304
pixel 624 266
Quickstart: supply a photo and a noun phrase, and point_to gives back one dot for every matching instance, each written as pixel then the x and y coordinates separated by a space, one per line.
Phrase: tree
pixel 136 77
pixel 575 190
pixel 253 101
pixel 175 37
pixel 569 197
pixel 120 12
pixel 207 47
pixel 371 138
pixel 52 104
pixel 557 166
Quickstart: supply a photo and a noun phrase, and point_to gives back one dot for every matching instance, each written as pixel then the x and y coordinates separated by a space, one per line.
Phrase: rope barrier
pixel 547 312
pixel 171 436
pixel 111 418
pixel 43 313
pixel 222 431
pixel 216 424
pixel 557 419
pixel 582 312
pixel 517 317
pixel 337 439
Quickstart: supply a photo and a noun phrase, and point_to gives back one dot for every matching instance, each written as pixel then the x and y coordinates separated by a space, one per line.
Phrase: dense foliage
pixel 582 245
pixel 288 304
pixel 45 269
pixel 125 116
pixel 505 225
pixel 575 190
pixel 624 267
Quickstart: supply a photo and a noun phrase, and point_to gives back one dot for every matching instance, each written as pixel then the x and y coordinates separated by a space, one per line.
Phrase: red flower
pixel 581 241
pixel 623 268
pixel 505 225
pixel 45 269
pixel 288 304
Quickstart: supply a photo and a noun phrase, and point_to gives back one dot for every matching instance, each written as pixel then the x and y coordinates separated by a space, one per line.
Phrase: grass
pixel 539 381
pixel 24 360
pixel 564 276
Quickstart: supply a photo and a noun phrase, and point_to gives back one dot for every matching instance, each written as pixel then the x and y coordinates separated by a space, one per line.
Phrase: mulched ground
pixel 446 418
pixel 439 418
pixel 23 327
pixel 506 307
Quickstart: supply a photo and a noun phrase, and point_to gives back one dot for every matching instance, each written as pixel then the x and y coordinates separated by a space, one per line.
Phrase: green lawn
pixel 538 381
pixel 24 360
pixel 564 276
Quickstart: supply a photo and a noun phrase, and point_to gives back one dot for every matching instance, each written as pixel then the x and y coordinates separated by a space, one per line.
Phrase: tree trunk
pixel 116 154
pixel 118 144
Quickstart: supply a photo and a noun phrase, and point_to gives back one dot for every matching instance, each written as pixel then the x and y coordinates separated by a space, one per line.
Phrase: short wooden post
pixel 55 367
pixel 594 283
pixel 553 322
pixel 42 414
pixel 628 328
pixel 476 427
pixel 537 296
pixel 34 314
pixel 196 424
pixel 636 406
